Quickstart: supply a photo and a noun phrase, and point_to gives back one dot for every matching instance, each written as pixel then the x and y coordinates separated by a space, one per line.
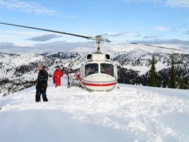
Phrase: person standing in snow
pixel 57 76
pixel 68 71
pixel 41 86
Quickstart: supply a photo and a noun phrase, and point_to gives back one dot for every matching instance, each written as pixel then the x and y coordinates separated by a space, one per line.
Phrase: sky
pixel 162 22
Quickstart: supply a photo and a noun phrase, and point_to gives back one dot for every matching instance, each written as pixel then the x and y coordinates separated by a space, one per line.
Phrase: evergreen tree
pixel 153 81
pixel 172 74
pixel 164 84
pixel 186 83
pixel 181 84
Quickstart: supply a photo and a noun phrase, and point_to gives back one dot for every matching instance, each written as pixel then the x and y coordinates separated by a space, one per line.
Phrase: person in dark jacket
pixel 41 86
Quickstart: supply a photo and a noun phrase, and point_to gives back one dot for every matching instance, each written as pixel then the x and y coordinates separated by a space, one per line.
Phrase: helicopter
pixel 97 71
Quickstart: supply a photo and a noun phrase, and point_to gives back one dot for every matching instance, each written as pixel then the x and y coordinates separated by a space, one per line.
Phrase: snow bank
pixel 132 113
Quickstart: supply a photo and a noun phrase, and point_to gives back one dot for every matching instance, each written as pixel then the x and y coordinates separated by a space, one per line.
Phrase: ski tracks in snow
pixel 148 115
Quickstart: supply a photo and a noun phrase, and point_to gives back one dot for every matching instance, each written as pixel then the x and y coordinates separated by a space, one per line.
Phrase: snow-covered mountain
pixel 129 114
pixel 18 71
pixel 140 60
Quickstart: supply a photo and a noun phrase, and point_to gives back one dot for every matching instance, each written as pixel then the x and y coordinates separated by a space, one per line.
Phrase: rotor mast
pixel 98 42
pixel 99 39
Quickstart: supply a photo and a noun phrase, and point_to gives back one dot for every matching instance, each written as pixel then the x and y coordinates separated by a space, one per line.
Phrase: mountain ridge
pixel 22 68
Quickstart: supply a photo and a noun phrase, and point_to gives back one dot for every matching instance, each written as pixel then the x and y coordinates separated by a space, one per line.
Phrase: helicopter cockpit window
pixel 91 69
pixel 107 69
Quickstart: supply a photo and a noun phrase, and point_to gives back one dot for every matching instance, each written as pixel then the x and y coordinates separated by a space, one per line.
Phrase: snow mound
pixel 131 113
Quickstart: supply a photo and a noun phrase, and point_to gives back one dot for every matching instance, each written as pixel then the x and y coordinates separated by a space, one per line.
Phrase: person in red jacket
pixel 57 76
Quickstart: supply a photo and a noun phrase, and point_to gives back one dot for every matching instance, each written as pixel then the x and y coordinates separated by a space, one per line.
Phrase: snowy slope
pixel 130 114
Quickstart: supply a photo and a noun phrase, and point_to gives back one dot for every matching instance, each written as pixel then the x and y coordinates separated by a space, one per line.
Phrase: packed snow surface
pixel 128 114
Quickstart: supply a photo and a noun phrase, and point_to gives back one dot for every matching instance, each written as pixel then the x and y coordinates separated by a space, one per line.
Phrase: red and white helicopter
pixel 97 72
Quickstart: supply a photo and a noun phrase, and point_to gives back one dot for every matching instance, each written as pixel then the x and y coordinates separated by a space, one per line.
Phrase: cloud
pixel 62 46
pixel 133 35
pixel 178 3
pixel 23 44
pixel 179 28
pixel 24 33
pixel 141 1
pixel 169 3
pixel 170 41
pixel 57 46
pixel 115 34
pixel 23 6
pixel 161 29
pixel 147 37
pixel 8 47
pixel 187 32
pixel 45 37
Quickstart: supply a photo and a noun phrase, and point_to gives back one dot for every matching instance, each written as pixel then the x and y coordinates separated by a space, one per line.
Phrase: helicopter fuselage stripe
pixel 99 84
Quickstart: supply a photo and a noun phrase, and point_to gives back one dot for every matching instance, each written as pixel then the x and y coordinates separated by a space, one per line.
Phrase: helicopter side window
pixel 91 69
pixel 107 69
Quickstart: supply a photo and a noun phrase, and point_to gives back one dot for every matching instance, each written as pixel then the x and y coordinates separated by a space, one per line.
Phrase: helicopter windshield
pixel 91 69
pixel 107 69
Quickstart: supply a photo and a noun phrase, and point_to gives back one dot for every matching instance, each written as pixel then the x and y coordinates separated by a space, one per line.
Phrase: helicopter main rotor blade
pixel 162 47
pixel 135 43
pixel 47 30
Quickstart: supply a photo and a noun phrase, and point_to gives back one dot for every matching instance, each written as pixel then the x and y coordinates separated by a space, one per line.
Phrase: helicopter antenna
pixel 97 38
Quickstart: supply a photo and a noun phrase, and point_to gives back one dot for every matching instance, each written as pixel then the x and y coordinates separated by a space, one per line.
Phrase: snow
pixel 144 69
pixel 160 66
pixel 131 113
pixel 17 60
pixel 141 69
